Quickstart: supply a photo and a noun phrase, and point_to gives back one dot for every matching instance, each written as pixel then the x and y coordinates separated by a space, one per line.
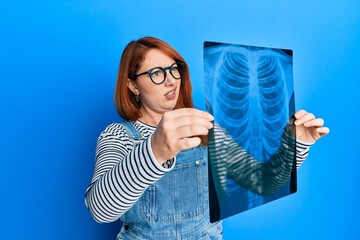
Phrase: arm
pixel 268 177
pixel 122 173
pixel 232 161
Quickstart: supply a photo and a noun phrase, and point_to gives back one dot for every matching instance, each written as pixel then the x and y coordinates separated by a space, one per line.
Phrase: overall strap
pixel 131 130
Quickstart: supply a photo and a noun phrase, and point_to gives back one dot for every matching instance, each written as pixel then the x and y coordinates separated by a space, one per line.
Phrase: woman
pixel 151 169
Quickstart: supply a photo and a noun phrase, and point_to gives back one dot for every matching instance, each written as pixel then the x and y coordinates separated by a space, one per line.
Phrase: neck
pixel 150 118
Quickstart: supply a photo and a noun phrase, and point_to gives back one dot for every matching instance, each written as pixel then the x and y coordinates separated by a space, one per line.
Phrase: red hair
pixel 131 60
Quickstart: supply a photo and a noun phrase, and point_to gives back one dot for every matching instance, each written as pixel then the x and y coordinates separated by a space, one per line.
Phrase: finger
pixel 300 113
pixel 186 112
pixel 192 121
pixel 306 117
pixel 318 122
pixel 191 125
pixel 186 143
pixel 323 131
pixel 190 131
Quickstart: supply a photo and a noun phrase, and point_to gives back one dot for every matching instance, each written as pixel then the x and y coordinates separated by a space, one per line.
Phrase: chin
pixel 169 108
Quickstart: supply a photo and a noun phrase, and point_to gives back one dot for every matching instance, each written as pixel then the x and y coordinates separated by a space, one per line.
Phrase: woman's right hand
pixel 179 130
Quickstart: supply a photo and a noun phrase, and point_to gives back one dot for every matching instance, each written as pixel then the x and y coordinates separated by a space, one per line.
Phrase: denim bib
pixel 176 206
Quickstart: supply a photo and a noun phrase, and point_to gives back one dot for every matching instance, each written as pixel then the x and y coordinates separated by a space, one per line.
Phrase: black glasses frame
pixel 149 72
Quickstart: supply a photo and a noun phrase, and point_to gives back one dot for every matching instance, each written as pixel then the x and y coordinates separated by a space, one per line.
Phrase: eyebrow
pixel 164 66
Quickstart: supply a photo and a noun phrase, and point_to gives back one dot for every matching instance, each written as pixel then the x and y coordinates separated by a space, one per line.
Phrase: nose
pixel 170 80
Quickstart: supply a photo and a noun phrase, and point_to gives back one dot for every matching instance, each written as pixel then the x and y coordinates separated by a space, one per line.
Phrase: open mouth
pixel 170 93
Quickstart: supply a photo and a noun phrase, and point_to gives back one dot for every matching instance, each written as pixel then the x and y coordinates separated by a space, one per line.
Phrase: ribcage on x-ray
pixel 249 97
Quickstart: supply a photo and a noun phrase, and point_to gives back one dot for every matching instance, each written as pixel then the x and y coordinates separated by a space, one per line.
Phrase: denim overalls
pixel 176 206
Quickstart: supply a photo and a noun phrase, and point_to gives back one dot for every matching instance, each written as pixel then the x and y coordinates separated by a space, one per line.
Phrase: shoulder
pixel 220 131
pixel 128 129
pixel 114 130
pixel 220 136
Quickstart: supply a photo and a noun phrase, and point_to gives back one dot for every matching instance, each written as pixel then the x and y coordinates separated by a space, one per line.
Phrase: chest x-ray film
pixel 249 91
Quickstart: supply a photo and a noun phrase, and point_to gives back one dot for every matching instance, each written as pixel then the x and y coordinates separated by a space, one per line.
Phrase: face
pixel 155 99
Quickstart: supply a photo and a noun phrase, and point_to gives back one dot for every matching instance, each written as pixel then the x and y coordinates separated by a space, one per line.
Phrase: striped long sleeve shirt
pixel 124 169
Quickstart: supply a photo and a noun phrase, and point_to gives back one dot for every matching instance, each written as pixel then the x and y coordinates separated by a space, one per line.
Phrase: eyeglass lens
pixel 158 74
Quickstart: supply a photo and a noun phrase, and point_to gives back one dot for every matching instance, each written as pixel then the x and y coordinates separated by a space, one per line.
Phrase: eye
pixel 156 73
pixel 175 68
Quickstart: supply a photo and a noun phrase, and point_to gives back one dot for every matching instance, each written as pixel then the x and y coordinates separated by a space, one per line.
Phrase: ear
pixel 132 86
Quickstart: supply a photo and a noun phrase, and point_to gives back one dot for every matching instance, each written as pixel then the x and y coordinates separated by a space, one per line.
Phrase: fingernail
pixel 297 122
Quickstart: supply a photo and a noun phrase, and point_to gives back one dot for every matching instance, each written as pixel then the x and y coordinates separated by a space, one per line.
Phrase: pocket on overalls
pixel 125 234
pixel 180 194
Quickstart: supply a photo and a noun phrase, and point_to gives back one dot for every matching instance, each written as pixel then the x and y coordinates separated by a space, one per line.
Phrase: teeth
pixel 170 93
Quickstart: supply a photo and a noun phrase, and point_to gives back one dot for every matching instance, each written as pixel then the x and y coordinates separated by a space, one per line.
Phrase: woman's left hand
pixel 308 128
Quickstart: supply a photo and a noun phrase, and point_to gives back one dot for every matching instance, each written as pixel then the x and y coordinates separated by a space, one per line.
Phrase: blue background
pixel 58 65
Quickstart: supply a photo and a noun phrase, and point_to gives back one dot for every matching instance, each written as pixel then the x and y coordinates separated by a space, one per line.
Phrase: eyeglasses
pixel 158 74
